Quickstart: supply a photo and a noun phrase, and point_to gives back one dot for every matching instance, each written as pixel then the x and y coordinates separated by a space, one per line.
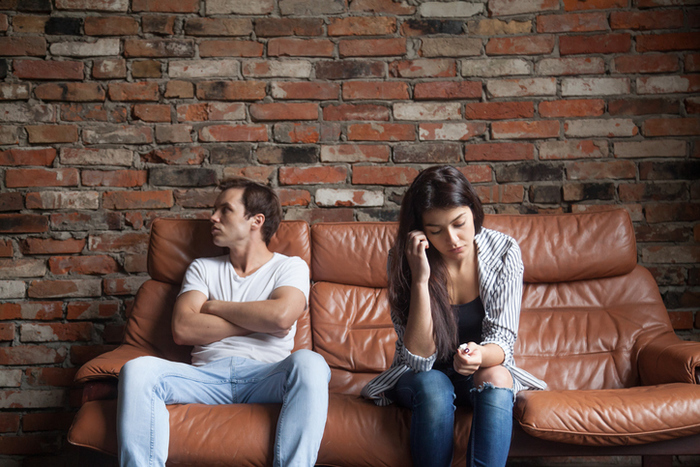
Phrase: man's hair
pixel 258 199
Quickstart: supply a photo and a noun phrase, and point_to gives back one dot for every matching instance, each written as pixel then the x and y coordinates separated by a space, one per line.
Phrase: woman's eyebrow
pixel 453 220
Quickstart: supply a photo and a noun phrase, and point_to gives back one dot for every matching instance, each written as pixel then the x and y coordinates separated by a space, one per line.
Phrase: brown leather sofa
pixel 593 326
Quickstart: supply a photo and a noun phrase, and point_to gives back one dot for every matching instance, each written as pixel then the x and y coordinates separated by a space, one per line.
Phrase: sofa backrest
pixel 585 300
pixel 174 244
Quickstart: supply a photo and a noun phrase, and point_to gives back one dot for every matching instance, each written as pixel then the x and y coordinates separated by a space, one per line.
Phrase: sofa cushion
pixel 175 243
pixel 611 417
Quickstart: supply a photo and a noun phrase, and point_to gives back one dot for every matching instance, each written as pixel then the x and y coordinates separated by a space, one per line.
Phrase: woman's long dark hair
pixel 438 187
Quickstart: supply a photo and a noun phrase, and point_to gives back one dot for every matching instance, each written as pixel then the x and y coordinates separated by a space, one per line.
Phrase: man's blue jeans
pixel 432 395
pixel 147 384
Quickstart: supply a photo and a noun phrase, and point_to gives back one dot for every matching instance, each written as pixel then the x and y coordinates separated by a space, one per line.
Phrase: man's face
pixel 229 223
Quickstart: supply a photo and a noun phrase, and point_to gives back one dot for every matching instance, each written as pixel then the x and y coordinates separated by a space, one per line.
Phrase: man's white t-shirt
pixel 217 279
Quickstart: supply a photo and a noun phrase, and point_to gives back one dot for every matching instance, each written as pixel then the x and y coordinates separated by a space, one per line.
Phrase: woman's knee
pixel 431 390
pixel 497 376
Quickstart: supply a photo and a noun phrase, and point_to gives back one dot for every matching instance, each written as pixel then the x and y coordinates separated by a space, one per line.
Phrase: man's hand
pixel 191 326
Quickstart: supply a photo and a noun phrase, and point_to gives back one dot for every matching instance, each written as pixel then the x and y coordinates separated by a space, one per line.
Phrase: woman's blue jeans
pixel 432 396
pixel 147 384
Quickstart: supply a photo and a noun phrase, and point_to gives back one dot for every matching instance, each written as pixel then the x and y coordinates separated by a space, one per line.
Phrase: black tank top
pixel 469 318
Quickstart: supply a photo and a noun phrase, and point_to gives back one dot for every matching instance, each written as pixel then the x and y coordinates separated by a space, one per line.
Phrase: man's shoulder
pixel 283 261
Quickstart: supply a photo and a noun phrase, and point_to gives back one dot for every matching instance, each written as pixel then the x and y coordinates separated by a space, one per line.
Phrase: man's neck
pixel 249 258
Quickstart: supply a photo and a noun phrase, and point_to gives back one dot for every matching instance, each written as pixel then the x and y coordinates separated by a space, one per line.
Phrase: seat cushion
pixel 611 417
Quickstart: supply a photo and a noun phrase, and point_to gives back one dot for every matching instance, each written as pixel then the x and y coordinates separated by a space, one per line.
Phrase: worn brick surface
pixel 116 112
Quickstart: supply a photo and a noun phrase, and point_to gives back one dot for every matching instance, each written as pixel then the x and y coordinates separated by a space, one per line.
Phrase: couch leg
pixel 657 461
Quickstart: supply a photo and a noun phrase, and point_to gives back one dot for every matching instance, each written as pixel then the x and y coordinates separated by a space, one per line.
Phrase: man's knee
pixel 310 366
pixel 139 371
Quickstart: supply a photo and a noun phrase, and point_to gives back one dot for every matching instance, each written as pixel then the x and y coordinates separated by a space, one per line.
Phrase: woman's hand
pixel 416 244
pixel 467 361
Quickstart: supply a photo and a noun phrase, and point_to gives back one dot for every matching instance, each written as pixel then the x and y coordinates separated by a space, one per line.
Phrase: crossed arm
pixel 199 321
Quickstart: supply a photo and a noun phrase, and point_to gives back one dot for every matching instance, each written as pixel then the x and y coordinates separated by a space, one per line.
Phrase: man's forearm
pixel 254 316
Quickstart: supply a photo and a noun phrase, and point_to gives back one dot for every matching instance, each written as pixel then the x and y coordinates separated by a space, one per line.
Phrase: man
pixel 239 311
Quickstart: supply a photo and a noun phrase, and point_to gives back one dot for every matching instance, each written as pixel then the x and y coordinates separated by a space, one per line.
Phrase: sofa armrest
pixel 667 359
pixel 108 365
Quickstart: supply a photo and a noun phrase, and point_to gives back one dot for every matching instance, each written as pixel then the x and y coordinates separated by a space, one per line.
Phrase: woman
pixel 452 282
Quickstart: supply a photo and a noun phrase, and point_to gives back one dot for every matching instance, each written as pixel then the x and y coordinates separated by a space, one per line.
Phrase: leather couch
pixel 593 326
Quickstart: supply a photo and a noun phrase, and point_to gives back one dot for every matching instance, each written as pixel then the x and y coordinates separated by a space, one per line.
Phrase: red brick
pixel 499 110
pixel 382 6
pixel 230 48
pixel 283 111
pixel 137 199
pixel 259 174
pixel 84 265
pixel 231 90
pixel 166 6
pixel 355 153
pixel 372 47
pixel 378 175
pixel 297 132
pixel 194 155
pixel 218 26
pixel 525 45
pixel 29 24
pixel 48 69
pixel 671 126
pixel 152 112
pixel 692 62
pixel 130 242
pixel 312 175
pixel 233 133
pixel 79 92
pixel 111 26
pixel 7 331
pixel 123 285
pixel 290 197
pixel 9 422
pixel 134 91
pixel 27 156
pixel 668 42
pixel 277 27
pixel 525 130
pixel 48 246
pixel 3 22
pixel 362 26
pixel 93 112
pixel 6 248
pixel 343 112
pixel 290 47
pixel 381 132
pixel 23 223
pixel 501 194
pixel 305 90
pixel 41 177
pixel 692 105
pixel 92 310
pixel 23 46
pixel 158 48
pixel 56 332
pixel 51 421
pixel 179 90
pixel 64 288
pixel 384 90
pixel 597 44
pixel 499 152
pixel 52 133
pixel 646 63
pixel 31 355
pixel 572 5
pixel 450 131
pixel 448 90
pixel 31 310
pixel 573 22
pixel 572 108
pixel 643 106
pixel 424 68
pixel 646 20
pixel 601 170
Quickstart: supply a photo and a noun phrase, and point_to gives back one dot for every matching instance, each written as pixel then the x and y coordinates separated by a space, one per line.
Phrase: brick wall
pixel 114 112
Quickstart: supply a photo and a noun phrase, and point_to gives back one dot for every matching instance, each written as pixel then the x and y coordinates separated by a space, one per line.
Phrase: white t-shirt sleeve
pixel 195 278
pixel 294 272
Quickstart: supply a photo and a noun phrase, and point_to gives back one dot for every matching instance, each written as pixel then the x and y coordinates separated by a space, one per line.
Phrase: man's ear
pixel 258 221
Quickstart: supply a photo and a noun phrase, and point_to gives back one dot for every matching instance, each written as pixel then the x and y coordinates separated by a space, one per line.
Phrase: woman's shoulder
pixel 497 247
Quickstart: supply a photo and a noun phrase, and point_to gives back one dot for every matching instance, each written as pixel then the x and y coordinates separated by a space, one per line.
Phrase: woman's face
pixel 450 231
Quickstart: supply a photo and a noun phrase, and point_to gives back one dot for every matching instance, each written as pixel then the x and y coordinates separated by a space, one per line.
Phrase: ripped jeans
pixel 432 396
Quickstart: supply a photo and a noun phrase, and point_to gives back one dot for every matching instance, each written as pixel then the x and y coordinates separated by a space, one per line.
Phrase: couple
pixel 451 281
